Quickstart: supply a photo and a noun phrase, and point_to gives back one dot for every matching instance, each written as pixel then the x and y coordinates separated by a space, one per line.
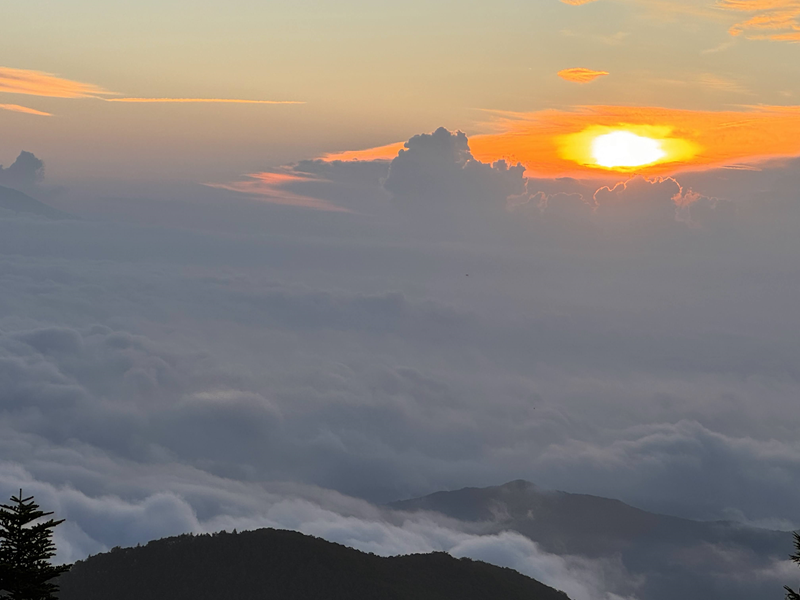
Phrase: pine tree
pixel 790 593
pixel 26 548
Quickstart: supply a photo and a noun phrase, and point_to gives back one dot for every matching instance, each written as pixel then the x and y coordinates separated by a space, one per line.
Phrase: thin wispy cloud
pixel 613 39
pixel 719 48
pixel 709 81
pixel 38 83
pixel 387 152
pixel 24 109
pixel 741 168
pixel 275 189
pixel 581 75
pixel 201 100
pixel 777 20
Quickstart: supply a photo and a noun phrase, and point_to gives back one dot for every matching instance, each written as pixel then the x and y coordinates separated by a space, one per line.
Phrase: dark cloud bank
pixel 212 361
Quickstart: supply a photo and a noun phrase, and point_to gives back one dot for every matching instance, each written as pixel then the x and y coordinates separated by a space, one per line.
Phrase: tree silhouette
pixel 790 593
pixel 26 548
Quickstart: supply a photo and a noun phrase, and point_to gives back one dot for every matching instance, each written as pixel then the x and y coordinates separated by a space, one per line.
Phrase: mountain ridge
pixel 651 546
pixel 272 563
pixel 19 202
pixel 522 483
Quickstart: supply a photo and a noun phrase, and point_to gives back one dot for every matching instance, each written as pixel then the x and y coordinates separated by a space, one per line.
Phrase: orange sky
pixel 721 138
pixel 144 92
pixel 777 20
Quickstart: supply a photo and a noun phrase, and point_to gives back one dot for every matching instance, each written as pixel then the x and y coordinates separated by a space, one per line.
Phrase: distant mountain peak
pixel 20 203
pixel 518 484
pixel 650 546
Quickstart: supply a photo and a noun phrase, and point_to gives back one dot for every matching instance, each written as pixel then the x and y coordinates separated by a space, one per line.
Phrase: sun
pixel 625 147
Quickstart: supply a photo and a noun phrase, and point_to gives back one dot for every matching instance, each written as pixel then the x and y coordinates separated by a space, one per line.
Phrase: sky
pixel 314 257
pixel 367 73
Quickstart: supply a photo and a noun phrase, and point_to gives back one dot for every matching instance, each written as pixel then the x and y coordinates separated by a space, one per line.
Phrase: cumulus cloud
pixel 438 170
pixel 25 171
pixel 639 199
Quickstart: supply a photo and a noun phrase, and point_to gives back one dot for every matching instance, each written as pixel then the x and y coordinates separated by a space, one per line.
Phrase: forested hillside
pixel 269 563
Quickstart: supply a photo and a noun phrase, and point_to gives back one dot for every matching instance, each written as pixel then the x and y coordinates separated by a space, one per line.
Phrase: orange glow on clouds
pixel 37 83
pixel 777 20
pixel 273 188
pixel 387 152
pixel 580 75
pixel 576 2
pixel 556 143
pixel 201 100
pixel 24 109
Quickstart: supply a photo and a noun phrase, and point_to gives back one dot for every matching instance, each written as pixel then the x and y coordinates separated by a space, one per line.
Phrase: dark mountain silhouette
pixel 18 202
pixel 283 565
pixel 679 558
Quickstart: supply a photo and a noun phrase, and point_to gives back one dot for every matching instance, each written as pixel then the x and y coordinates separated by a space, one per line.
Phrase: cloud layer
pixel 166 361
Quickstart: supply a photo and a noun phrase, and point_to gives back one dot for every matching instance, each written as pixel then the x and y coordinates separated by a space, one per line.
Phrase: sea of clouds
pixel 209 360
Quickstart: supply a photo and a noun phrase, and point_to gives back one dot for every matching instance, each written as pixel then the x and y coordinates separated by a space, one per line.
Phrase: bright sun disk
pixel 626 149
